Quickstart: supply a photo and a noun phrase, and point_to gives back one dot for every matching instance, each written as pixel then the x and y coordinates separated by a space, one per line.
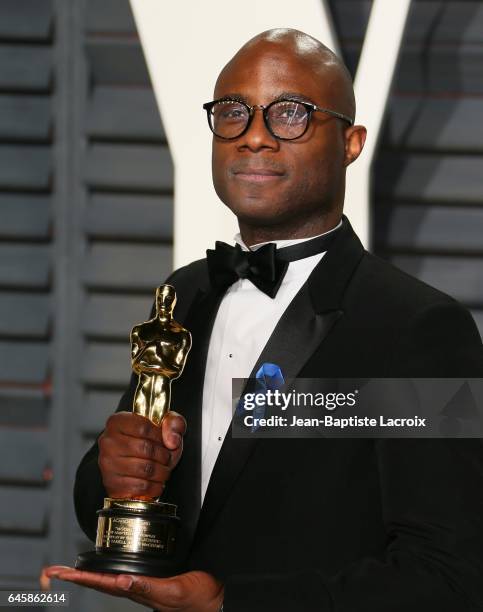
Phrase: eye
pixel 229 111
pixel 288 112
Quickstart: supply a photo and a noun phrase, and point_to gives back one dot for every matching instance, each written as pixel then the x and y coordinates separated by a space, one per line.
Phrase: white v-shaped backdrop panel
pixel 374 76
pixel 186 43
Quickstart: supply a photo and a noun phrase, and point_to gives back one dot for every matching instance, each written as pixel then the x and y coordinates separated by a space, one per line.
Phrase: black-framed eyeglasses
pixel 229 118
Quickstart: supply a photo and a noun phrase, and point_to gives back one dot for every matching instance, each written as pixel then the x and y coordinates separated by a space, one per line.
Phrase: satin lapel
pixel 199 321
pixel 301 329
pixel 298 333
pixel 184 487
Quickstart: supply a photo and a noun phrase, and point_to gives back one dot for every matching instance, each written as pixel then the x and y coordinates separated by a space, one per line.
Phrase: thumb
pixel 134 584
pixel 167 591
pixel 173 428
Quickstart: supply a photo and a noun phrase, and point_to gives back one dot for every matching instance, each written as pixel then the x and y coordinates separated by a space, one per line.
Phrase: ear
pixel 355 137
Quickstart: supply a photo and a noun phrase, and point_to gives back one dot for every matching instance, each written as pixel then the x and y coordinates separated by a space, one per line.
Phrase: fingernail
pixel 125 582
pixel 175 439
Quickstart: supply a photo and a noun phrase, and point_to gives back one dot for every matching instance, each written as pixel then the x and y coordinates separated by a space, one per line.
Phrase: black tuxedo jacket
pixel 349 525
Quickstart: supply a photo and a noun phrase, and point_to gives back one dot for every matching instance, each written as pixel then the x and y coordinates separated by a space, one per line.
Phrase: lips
pixel 257 175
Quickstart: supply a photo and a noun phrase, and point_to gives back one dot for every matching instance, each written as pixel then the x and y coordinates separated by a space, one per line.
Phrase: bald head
pixel 327 70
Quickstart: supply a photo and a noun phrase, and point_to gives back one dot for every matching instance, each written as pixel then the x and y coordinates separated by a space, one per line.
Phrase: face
pixel 166 298
pixel 265 181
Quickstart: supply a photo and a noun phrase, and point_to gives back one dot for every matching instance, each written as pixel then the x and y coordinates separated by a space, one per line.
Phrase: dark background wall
pixel 85 235
pixel 86 225
pixel 427 216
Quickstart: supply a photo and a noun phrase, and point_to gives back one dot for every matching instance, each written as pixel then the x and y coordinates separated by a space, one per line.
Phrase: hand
pixel 190 592
pixel 136 456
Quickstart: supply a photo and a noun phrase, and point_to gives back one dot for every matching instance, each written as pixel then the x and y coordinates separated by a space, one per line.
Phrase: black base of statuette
pixel 125 563
pixel 133 537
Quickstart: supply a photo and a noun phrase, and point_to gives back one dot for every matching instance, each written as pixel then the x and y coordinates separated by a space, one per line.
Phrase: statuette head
pixel 165 300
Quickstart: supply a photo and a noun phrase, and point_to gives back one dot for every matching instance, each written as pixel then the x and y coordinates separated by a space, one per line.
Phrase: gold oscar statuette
pixel 138 534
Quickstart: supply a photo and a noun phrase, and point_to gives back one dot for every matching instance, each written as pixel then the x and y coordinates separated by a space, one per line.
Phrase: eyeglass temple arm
pixel 335 114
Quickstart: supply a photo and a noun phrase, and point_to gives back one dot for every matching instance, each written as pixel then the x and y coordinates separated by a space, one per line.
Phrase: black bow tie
pixel 265 267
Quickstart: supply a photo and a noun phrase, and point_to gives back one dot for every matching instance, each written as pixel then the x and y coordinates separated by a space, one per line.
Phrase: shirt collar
pixel 280 243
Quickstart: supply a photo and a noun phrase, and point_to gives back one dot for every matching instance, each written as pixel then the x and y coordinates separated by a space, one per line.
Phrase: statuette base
pixel 135 537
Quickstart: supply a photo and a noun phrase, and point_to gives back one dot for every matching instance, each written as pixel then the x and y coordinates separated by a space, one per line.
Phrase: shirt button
pixel 230 355
pixel 219 438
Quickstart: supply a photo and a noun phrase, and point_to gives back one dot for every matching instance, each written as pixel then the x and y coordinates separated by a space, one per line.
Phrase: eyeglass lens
pixel 286 119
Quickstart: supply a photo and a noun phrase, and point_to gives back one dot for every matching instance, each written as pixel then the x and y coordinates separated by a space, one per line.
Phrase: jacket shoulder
pixel 380 282
pixel 420 330
pixel 187 281
pixel 195 269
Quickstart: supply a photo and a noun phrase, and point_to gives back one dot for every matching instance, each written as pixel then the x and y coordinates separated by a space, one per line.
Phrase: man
pixel 298 525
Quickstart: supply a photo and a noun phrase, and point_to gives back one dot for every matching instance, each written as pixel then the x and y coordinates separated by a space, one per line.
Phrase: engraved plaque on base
pixel 138 535
pixel 134 537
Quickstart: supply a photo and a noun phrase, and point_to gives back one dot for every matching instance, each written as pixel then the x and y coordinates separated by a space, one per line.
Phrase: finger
pixel 52 570
pixel 144 469
pixel 47 573
pixel 193 590
pixel 128 446
pixel 132 424
pixel 173 428
pixel 118 585
pixel 136 589
pixel 161 593
pixel 106 583
pixel 44 581
pixel 128 487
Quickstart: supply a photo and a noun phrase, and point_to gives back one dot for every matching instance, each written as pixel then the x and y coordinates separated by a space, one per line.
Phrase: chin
pixel 259 219
pixel 256 208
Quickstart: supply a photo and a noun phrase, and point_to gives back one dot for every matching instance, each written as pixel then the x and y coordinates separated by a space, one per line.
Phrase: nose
pixel 257 136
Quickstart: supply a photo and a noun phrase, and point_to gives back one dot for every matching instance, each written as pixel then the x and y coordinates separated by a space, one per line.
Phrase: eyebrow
pixel 292 95
pixel 285 95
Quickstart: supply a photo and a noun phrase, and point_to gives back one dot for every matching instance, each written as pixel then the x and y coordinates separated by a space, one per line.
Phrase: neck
pixel 256 234
pixel 164 315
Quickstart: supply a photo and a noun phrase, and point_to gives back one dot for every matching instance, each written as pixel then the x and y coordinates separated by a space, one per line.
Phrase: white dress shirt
pixel 245 320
